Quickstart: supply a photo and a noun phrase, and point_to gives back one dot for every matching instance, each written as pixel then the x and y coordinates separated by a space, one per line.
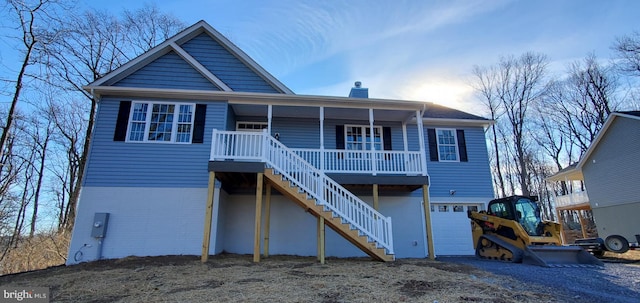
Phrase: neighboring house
pixel 609 169
pixel 193 136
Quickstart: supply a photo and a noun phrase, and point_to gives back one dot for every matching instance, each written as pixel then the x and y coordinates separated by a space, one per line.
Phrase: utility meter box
pixel 100 222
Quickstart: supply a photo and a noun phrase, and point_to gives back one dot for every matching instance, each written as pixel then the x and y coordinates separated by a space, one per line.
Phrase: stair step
pixel 348 230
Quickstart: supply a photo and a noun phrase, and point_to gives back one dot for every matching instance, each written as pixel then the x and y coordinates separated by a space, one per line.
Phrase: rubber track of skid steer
pixel 517 253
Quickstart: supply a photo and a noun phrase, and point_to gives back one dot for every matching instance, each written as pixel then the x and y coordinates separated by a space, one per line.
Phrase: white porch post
pixel 322 138
pixel 421 141
pixel 372 138
pixel 404 137
pixel 269 115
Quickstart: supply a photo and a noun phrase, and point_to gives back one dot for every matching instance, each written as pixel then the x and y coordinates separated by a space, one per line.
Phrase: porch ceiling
pixel 329 112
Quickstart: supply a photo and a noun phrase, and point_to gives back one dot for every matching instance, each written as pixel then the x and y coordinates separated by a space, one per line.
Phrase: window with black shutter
pixel 447 145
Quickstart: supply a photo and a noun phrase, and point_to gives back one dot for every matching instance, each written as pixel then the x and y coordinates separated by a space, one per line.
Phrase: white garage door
pixel 452 229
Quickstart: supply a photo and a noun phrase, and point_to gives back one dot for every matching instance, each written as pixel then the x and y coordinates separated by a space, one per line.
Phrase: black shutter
pixel 198 123
pixel 386 137
pixel 120 133
pixel 339 136
pixel 462 146
pixel 433 145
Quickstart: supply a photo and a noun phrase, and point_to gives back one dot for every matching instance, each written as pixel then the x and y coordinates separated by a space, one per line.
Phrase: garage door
pixel 452 229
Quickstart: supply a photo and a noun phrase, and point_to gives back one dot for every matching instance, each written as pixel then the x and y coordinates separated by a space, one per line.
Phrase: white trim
pixel 265 99
pixel 455 137
pixel 251 123
pixel 269 118
pixel 200 68
pixel 244 58
pixel 174 125
pixel 190 32
pixel 601 135
pixel 364 136
pixel 448 121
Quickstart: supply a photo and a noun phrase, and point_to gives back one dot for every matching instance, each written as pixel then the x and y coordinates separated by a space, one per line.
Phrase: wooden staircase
pixel 333 220
pixel 312 189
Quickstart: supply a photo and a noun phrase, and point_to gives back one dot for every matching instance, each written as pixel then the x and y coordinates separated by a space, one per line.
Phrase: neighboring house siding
pixel 125 164
pixel 225 66
pixel 611 171
pixel 168 71
pixel 618 220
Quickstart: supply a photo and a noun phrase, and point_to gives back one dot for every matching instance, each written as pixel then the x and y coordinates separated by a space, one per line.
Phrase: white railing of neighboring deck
pixel 572 199
pixel 233 145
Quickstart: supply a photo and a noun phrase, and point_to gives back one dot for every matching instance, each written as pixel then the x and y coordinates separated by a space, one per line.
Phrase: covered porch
pixel 573 197
pixel 317 149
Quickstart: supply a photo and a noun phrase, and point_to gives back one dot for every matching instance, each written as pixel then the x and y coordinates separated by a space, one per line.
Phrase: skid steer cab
pixel 512 230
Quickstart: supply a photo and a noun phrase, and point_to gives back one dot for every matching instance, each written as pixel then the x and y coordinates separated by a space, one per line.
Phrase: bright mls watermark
pixel 24 294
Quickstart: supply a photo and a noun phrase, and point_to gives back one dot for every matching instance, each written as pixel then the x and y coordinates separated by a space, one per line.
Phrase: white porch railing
pixel 332 196
pixel 364 161
pixel 572 199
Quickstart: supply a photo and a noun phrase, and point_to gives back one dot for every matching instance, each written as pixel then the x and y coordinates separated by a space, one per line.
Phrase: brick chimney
pixel 358 91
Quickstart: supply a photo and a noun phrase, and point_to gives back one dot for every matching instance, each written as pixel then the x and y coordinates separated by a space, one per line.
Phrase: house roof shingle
pixel 435 111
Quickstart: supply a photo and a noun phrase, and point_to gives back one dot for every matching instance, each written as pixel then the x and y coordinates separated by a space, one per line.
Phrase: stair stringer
pixel 297 195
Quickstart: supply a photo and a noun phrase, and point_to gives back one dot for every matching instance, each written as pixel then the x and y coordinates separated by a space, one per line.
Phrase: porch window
pixel 358 137
pixel 251 126
pixel 161 122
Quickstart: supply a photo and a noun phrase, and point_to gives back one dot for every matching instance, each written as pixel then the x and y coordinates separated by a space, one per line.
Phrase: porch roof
pixel 304 106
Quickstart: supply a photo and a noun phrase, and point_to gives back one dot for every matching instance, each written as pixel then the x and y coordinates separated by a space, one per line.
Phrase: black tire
pixel 598 253
pixel 616 244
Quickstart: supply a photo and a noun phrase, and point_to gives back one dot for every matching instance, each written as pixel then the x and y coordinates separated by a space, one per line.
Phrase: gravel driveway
pixel 616 282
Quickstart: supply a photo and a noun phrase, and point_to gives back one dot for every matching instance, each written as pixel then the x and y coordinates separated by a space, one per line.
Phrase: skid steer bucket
pixel 560 256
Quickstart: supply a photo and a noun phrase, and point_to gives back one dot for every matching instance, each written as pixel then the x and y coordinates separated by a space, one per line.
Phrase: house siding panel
pixel 297 133
pixel 168 71
pixel 611 171
pixel 468 179
pixel 229 69
pixel 149 164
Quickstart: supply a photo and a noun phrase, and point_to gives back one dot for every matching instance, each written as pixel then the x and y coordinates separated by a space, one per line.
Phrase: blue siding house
pixel 198 150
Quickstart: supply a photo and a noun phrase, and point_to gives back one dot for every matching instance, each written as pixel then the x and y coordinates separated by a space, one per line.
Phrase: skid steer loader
pixel 511 230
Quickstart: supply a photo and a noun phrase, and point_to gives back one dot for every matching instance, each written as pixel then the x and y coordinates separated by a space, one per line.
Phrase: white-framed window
pixel 447 144
pixel 358 137
pixel 160 122
pixel 251 126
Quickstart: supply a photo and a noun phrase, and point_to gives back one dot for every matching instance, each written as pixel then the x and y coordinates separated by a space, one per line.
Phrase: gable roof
pixel 173 44
pixel 177 47
pixel 575 169
pixel 629 115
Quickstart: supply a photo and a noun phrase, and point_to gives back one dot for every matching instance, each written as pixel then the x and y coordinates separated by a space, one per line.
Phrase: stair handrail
pixel 316 184
pixel 307 176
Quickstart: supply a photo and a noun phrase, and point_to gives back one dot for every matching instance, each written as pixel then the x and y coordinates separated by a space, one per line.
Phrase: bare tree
pixel 627 49
pixel 485 81
pixel 513 86
pixel 40 137
pixel 87 47
pixel 145 28
pixel 582 102
pixel 27 13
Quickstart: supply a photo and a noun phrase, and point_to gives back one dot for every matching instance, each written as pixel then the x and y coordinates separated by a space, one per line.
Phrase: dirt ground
pixel 235 278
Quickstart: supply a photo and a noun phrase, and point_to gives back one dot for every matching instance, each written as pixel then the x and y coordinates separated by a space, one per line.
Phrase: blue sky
pixel 415 50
